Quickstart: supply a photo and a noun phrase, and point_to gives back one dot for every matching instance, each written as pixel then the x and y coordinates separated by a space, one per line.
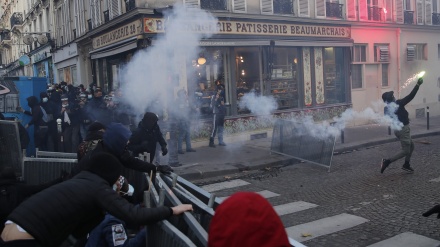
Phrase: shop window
pixel 208 70
pixel 73 73
pixel 283 83
pixel 334 75
pixel 247 74
pixel 60 75
pixel 356 76
pixel 385 73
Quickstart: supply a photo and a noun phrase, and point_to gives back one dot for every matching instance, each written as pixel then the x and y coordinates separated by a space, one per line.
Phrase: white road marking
pixel 324 226
pixel 224 185
pixel 293 207
pixel 407 239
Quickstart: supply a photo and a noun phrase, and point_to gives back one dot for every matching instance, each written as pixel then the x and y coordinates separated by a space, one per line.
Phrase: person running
pixel 396 108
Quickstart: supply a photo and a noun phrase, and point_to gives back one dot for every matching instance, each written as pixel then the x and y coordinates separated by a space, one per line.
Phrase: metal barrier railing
pixel 59 155
pixel 42 170
pixel 10 149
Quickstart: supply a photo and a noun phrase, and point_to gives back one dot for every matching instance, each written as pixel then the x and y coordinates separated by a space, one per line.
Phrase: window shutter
pixel 384 53
pixel 114 8
pixel 303 6
pixel 351 9
pixel 192 3
pixel 428 12
pixel 399 11
pixel 320 8
pixel 410 52
pixel 239 6
pixel 266 6
pixel 419 10
pixel 363 11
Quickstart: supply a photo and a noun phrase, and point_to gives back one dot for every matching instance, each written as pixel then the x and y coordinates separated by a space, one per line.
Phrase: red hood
pixel 246 219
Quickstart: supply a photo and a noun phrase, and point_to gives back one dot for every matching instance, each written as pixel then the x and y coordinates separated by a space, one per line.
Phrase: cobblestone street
pixel 392 202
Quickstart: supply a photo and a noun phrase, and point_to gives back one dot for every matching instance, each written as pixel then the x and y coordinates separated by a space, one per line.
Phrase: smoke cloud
pixel 259 105
pixel 150 76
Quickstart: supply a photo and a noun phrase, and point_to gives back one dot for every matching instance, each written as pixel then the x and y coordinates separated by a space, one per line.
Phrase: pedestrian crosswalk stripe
pixel 407 239
pixel 324 226
pixel 264 193
pixel 224 185
pixel 293 207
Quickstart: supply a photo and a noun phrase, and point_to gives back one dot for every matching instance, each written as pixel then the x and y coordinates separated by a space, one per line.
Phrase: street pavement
pixel 353 204
pixel 242 154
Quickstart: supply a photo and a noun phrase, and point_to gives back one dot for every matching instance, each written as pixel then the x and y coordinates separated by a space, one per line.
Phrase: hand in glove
pixel 164 169
pixel 164 150
pixel 420 81
pixel 434 210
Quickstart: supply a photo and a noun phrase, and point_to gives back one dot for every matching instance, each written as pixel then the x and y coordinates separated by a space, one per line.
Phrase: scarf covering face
pixel 150 120
pixel 116 137
pixel 246 219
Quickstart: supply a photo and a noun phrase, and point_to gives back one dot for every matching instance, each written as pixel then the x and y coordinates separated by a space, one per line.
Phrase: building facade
pixel 313 56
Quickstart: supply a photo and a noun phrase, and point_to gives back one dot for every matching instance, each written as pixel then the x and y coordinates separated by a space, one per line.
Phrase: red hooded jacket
pixel 246 219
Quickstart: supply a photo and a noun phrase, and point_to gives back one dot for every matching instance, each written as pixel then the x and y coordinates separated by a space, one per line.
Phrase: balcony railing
pixel 16 19
pixel 333 9
pixel 214 4
pixel 408 17
pixel 130 4
pixel 106 16
pixel 435 18
pixel 374 13
pixel 283 7
pixel 5 36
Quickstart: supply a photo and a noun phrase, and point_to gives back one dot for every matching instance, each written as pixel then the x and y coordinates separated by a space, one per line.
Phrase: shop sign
pixel 132 29
pixel 37 57
pixel 158 25
pixel 65 53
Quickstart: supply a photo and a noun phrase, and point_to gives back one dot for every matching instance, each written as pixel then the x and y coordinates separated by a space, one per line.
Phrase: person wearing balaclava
pixel 40 126
pixel 76 206
pixel 97 108
pixel 396 108
pixel 147 136
pixel 114 141
pixel 246 219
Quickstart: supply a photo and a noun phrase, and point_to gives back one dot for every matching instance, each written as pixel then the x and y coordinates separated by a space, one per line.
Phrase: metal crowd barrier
pixel 59 155
pixel 296 140
pixel 10 149
pixel 42 170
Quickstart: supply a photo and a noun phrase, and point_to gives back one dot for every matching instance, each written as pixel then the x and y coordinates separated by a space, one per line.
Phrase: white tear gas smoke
pixel 152 75
pixel 259 105
pixel 412 79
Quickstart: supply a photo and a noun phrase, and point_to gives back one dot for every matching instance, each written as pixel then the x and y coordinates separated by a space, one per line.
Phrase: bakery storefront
pixel 305 67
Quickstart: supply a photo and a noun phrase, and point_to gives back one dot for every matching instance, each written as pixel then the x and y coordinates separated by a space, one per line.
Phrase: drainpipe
pixel 399 76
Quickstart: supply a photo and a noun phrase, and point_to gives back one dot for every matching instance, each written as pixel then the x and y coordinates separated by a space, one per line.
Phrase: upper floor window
pixel 416 52
pixel 381 53
pixel 210 4
pixel 359 53
pixel 280 7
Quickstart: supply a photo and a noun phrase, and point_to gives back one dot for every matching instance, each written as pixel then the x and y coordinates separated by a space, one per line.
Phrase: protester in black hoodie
pixel 13 192
pixel 52 112
pixel 404 134
pixel 40 126
pixel 76 206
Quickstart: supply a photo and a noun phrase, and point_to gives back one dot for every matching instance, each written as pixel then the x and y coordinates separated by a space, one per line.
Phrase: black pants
pixel 20 243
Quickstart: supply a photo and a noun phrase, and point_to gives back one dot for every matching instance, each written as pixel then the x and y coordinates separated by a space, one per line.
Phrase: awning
pixel 323 43
pixel 114 49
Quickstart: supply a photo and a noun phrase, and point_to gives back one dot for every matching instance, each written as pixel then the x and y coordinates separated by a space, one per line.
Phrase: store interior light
pixel 201 60
pixel 295 60
pixel 242 72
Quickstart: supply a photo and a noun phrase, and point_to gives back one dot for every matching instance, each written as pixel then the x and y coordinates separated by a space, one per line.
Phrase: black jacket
pixel 144 139
pixel 75 207
pixel 401 112
pixel 37 113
